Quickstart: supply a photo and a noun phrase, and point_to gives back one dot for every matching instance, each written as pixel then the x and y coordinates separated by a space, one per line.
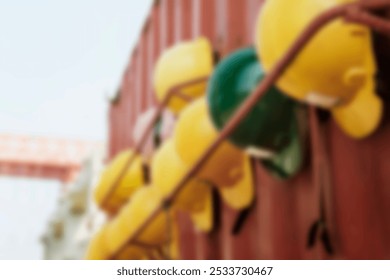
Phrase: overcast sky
pixel 58 61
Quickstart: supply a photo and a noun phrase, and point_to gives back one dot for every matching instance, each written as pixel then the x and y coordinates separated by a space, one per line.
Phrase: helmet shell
pixel 132 180
pixel 331 69
pixel 97 248
pixel 167 171
pixel 144 202
pixel 194 133
pixel 268 125
pixel 184 62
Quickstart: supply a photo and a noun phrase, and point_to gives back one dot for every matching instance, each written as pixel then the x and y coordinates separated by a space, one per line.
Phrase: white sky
pixel 25 206
pixel 58 62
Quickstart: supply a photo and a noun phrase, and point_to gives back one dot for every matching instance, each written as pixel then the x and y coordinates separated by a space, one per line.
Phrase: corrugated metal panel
pixel 357 193
pixel 232 36
pixel 360 195
pixel 126 114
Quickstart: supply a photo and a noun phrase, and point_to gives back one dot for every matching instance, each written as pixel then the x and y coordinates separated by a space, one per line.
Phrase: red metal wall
pixel 357 180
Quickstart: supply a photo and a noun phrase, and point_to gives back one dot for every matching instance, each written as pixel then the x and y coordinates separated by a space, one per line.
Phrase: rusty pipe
pixel 175 91
pixel 375 22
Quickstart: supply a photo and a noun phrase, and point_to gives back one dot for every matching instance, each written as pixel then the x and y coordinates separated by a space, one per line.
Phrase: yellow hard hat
pixel 194 133
pixel 133 215
pixel 362 115
pixel 204 220
pixel 241 195
pixel 332 68
pixel 97 248
pixel 133 252
pixel 184 62
pixel 131 181
pixel 118 248
pixel 167 171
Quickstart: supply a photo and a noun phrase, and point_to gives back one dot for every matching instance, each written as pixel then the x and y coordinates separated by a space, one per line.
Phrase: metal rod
pixel 157 114
pixel 371 5
pixel 184 97
pixel 144 245
pixel 270 79
pixel 378 24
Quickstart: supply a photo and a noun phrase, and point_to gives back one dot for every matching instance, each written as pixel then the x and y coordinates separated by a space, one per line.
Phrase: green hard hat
pixel 271 130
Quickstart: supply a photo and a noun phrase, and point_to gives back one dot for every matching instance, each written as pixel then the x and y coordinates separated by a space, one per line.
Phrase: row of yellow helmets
pixel 132 199
pixel 334 71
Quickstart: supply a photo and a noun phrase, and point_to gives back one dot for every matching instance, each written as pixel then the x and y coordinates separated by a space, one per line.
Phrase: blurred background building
pixel 76 217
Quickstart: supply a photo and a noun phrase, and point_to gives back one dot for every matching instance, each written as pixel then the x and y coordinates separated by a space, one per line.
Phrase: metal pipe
pixel 275 73
pixel 378 24
pixel 175 91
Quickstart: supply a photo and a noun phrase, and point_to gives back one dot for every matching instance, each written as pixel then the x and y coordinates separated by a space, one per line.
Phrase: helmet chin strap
pixel 260 153
pixel 322 100
pixel 319 230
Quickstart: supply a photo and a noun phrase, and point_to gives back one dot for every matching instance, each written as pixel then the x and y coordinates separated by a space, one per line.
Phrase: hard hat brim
pixel 241 195
pixel 204 220
pixel 361 117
